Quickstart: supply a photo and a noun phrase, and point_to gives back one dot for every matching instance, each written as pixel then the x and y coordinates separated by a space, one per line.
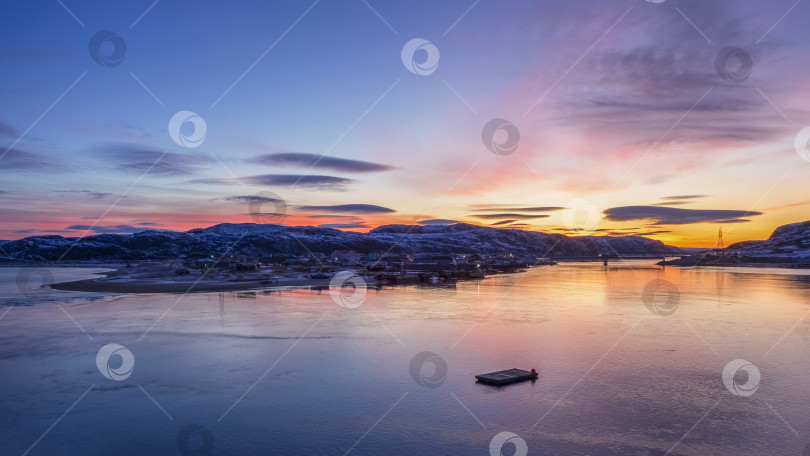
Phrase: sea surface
pixel 631 361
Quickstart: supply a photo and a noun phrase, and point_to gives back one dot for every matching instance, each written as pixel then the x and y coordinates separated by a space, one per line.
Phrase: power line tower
pixel 720 245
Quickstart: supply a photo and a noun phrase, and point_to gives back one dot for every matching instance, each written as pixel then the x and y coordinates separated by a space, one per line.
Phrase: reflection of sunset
pixel 563 311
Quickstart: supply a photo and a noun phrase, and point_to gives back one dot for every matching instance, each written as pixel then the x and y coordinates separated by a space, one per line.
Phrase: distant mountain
pixel 788 240
pixel 262 240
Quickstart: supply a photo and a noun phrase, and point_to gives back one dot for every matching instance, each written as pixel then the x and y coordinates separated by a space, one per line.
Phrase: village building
pixel 348 257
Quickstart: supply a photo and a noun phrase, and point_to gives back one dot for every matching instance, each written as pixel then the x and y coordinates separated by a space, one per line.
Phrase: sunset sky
pixel 621 110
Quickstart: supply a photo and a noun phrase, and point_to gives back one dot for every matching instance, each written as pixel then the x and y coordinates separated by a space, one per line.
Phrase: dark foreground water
pixel 295 373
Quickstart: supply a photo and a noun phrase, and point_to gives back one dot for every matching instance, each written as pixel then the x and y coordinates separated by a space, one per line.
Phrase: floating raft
pixel 506 377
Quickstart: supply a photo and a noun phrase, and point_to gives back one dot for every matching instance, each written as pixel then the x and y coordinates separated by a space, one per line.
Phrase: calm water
pixel 292 372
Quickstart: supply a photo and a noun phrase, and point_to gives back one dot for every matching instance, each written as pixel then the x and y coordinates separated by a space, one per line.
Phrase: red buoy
pixel 534 371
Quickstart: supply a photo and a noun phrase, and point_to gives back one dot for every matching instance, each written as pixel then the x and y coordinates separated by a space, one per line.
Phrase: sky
pixel 664 118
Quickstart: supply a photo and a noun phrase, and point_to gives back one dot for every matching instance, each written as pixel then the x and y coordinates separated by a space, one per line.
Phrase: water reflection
pixel 614 377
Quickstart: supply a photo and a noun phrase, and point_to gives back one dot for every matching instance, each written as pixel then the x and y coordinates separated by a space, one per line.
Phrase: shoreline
pixel 94 286
pixel 121 281
pixel 140 286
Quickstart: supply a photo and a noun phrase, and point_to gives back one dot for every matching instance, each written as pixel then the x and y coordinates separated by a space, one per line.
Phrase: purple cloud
pixel 114 229
pixel 18 160
pixel 139 158
pixel 343 225
pixel 320 162
pixel 509 215
pixel 430 222
pixel 676 216
pixel 307 181
pixel 351 208
pixel 502 208
pixel 7 131
pixel 88 193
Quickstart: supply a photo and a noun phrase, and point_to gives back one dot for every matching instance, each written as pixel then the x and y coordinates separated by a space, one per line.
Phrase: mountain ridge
pixel 259 240
pixel 792 239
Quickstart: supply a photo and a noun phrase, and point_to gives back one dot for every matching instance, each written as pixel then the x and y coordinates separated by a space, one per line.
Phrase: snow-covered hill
pixel 257 240
pixel 787 240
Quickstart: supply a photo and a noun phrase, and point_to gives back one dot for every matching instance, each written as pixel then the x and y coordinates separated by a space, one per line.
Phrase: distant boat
pixel 318 276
